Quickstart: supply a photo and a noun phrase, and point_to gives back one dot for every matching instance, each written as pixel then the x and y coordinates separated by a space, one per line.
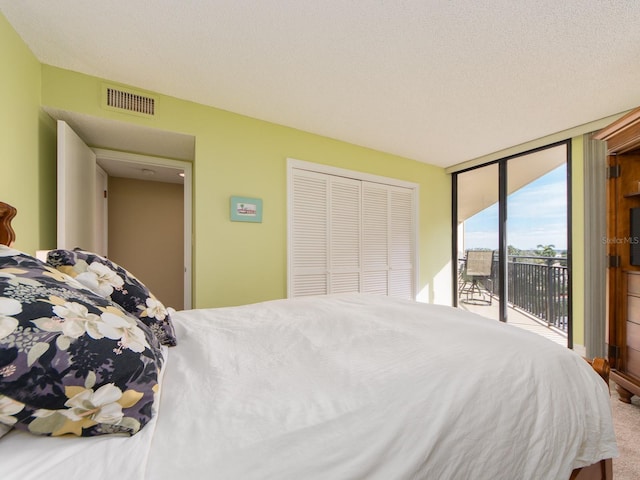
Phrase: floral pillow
pixel 112 281
pixel 71 361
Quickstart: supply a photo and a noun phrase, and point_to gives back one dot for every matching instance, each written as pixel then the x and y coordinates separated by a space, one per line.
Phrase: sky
pixel 536 215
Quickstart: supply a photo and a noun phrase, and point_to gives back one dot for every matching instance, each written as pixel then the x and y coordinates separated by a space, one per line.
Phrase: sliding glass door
pixel 537 239
pixel 477 240
pixel 518 209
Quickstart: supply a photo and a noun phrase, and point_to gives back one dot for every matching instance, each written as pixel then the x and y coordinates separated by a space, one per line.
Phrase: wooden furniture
pixel 7 235
pixel 602 470
pixel 623 246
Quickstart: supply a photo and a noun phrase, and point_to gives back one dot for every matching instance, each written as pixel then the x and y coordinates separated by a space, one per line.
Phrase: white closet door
pixel 344 235
pixel 388 240
pixel 375 241
pixel 401 242
pixel 309 234
pixel 350 235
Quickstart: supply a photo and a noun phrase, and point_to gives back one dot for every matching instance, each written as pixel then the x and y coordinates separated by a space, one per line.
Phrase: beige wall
pixel 146 234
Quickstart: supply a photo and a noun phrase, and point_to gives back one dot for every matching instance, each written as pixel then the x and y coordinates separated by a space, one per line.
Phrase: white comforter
pixel 348 387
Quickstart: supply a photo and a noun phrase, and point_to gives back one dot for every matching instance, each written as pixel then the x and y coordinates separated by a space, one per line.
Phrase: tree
pixel 546 250
pixel 513 251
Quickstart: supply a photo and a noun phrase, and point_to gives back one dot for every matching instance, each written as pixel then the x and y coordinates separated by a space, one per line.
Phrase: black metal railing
pixel 536 285
pixel 540 286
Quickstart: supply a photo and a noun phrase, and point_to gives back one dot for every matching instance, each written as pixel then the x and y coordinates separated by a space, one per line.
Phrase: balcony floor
pixel 517 318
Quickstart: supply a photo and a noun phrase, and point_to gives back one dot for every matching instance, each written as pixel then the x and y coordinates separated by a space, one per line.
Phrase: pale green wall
pixel 237 263
pixel 234 263
pixel 27 148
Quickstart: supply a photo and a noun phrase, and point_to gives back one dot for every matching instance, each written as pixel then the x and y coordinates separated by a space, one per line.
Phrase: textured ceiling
pixel 441 82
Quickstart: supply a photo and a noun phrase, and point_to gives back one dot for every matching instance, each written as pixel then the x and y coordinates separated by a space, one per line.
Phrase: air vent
pixel 128 101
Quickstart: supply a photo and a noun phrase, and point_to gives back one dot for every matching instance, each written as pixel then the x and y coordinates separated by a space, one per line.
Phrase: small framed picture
pixel 244 209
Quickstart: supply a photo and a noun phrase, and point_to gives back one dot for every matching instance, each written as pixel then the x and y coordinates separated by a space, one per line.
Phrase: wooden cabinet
pixel 632 335
pixel 623 250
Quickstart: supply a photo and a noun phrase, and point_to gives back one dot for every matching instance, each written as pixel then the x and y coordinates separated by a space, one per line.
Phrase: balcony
pixel 537 295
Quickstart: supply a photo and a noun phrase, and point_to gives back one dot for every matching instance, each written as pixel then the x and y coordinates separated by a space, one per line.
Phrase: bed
pixel 343 386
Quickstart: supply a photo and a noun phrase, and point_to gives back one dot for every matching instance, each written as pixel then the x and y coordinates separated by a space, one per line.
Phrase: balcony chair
pixel 474 277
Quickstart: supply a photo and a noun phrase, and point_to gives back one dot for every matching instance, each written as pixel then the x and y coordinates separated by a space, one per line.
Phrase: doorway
pixel 161 151
pixel 148 225
pixel 516 211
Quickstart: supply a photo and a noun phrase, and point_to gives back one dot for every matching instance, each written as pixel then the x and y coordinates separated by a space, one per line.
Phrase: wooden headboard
pixel 7 235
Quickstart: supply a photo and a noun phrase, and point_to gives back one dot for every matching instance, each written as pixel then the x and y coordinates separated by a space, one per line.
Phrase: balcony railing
pixel 536 285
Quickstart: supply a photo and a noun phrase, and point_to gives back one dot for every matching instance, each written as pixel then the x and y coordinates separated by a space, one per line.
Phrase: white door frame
pixel 102 211
pixel 186 167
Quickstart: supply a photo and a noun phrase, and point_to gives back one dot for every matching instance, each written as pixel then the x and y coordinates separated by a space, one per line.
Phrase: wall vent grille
pixel 131 102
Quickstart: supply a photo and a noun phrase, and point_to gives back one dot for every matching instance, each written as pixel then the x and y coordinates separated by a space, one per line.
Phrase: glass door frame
pixel 502 231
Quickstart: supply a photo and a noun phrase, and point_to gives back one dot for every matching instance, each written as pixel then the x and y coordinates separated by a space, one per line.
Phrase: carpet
pixel 626 424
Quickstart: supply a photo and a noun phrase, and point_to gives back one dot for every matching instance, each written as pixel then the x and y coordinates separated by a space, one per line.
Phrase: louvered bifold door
pixel 344 235
pixel 401 243
pixel 350 235
pixel 309 216
pixel 375 245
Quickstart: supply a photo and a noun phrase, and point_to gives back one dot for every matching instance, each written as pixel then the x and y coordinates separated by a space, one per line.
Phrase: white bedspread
pixel 348 387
